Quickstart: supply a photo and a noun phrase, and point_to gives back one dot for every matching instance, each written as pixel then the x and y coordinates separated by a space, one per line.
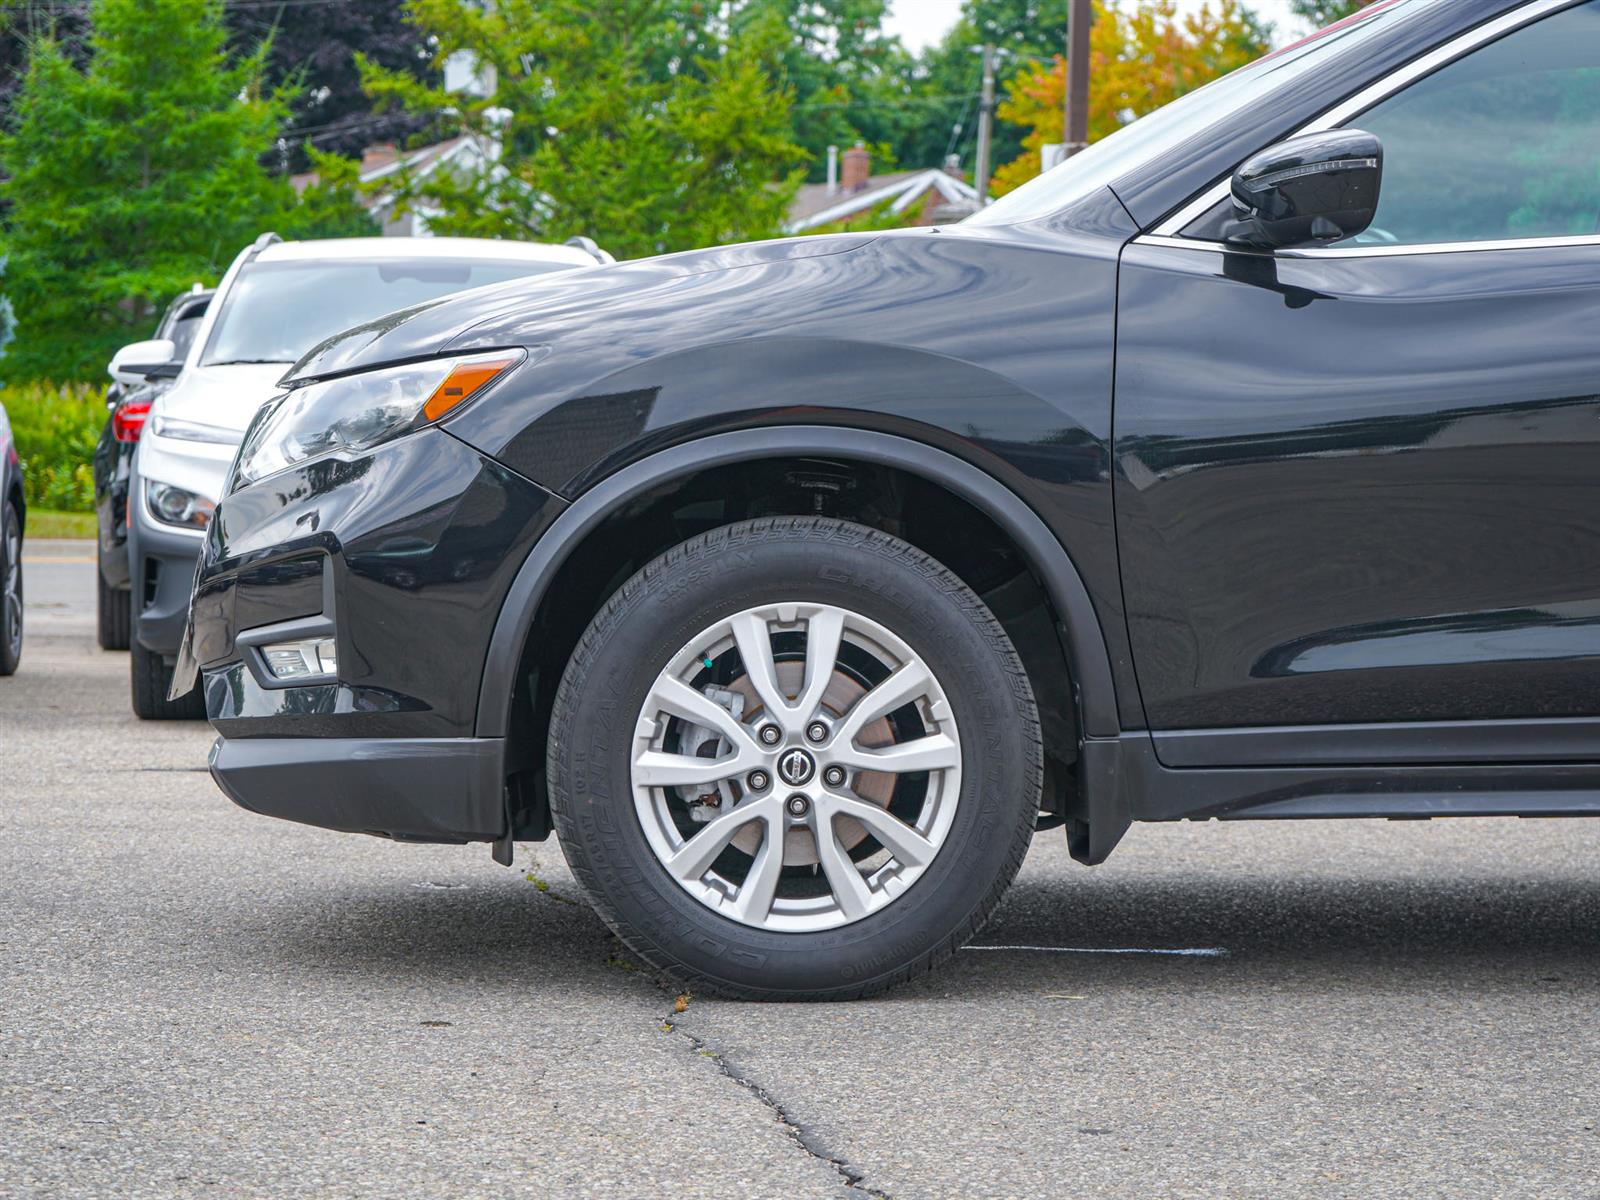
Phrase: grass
pixel 42 523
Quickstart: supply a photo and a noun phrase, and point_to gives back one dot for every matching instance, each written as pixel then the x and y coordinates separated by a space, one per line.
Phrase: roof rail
pixel 589 247
pixel 265 240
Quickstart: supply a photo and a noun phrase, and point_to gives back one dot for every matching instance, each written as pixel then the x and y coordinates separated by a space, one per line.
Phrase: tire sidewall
pixel 11 656
pixel 854 568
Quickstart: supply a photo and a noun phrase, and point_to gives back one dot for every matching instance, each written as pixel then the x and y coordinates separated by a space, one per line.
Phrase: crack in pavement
pixel 854 1179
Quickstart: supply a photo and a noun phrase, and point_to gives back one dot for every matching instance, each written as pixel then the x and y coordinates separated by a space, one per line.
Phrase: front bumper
pixel 161 565
pixel 406 554
pixel 410 789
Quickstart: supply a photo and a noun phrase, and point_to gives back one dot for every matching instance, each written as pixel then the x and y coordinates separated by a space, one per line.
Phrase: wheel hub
pixel 796 767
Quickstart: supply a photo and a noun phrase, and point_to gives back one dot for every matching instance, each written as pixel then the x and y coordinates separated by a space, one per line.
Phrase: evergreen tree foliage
pixel 129 179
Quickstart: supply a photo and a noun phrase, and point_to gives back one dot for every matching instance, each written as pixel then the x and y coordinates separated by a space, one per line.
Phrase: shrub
pixel 56 428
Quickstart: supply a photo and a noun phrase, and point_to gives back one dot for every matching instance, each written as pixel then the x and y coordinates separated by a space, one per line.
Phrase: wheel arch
pixel 1088 659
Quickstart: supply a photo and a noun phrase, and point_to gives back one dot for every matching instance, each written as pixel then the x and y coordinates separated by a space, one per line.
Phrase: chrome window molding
pixel 1357 104
pixel 1372 251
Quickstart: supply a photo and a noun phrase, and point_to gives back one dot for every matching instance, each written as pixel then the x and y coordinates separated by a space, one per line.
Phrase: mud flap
pixel 1105 808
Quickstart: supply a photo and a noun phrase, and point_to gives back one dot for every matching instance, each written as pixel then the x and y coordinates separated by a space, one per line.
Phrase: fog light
pixel 300 660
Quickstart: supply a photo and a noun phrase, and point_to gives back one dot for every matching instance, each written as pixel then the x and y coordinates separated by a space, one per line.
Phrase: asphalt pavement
pixel 195 1001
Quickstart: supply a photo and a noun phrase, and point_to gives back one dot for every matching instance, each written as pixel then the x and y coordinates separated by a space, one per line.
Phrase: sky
pixel 923 22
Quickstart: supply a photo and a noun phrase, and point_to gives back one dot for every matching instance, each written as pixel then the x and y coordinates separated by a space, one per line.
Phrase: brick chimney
pixel 380 155
pixel 856 169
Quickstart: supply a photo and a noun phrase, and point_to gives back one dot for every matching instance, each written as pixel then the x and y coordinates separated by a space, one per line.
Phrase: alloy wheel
pixel 11 591
pixel 796 767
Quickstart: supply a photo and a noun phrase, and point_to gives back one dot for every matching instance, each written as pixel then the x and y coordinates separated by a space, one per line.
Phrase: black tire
pixel 114 610
pixel 151 678
pixel 11 610
pixel 727 571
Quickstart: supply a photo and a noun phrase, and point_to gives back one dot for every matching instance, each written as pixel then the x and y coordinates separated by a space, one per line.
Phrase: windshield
pixel 1113 156
pixel 275 312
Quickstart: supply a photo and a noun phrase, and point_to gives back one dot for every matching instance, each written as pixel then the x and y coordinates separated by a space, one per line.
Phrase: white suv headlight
pixel 356 412
pixel 176 506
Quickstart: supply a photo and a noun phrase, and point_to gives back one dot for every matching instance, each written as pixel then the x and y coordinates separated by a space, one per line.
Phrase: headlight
pixel 356 412
pixel 193 431
pixel 174 506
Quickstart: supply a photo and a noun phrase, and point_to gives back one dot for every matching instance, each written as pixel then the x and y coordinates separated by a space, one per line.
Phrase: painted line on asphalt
pixel 51 558
pixel 1190 952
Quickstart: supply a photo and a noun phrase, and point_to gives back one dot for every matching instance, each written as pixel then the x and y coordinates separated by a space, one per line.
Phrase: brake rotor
pixel 800 847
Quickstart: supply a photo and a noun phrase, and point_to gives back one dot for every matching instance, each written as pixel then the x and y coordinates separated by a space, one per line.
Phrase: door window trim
pixel 1167 231
pixel 1376 250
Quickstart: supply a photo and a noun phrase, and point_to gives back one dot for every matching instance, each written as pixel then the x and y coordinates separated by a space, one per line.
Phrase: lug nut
pixel 833 776
pixel 817 731
pixel 770 735
pixel 798 805
pixel 758 781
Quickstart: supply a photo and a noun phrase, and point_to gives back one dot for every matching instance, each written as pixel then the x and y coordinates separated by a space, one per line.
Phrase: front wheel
pixel 114 614
pixel 10 590
pixel 149 679
pixel 794 758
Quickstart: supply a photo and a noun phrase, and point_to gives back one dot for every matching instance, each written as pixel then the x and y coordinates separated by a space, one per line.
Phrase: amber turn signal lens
pixel 460 385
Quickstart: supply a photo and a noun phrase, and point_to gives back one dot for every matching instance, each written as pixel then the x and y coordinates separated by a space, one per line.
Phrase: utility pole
pixel 1077 89
pixel 986 126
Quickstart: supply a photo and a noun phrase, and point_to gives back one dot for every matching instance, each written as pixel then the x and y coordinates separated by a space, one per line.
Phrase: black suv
pixel 1242 467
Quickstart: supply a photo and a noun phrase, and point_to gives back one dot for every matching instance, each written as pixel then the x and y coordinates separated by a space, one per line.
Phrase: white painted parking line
pixel 1190 952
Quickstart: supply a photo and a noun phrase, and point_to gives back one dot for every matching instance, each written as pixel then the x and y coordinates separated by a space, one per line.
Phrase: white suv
pixel 277 301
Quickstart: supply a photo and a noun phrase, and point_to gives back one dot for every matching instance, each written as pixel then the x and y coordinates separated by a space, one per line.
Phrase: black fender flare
pixel 1087 656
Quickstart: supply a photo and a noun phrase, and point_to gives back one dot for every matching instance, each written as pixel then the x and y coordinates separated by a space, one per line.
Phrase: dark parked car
pixel 13 513
pixel 128 405
pixel 1242 467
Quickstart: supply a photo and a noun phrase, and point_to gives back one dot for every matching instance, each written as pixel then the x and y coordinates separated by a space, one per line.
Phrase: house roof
pixel 817 204
pixel 425 160
pixel 419 163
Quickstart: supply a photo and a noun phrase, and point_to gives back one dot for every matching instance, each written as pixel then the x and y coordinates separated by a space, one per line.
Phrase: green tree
pixel 23 22
pixel 582 137
pixel 129 178
pixel 848 77
pixel 331 207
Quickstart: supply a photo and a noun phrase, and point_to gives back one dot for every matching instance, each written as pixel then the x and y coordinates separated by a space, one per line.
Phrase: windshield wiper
pixel 253 362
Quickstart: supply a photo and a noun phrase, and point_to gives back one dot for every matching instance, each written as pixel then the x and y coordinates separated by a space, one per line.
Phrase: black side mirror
pixel 1320 187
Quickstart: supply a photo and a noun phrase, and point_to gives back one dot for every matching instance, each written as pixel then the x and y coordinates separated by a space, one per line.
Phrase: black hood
pixel 447 323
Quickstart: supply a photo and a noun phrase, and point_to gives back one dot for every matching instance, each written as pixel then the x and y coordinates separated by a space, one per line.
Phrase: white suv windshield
pixel 276 311
pixel 1113 156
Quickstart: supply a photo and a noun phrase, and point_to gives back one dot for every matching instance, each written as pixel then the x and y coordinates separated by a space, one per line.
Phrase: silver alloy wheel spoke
pixel 754 640
pixel 655 768
pixel 678 698
pixel 760 886
pixel 850 890
pixel 824 631
pixel 695 857
pixel 933 753
pixel 898 838
pixel 903 686
pixel 804 817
